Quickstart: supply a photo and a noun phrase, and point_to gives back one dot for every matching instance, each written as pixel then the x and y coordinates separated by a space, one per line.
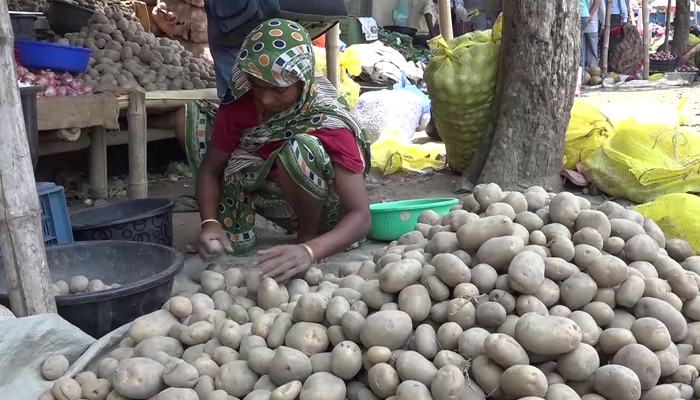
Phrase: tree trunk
pixel 534 96
pixel 681 27
pixel 605 47
pixel 23 254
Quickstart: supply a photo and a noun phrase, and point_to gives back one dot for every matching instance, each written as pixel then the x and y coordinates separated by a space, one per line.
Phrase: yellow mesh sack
pixel 461 81
pixel 678 216
pixel 350 65
pixel 644 162
pixel 588 129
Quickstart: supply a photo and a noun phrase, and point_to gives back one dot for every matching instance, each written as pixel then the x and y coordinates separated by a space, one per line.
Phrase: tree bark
pixel 605 47
pixel 681 27
pixel 534 96
pixel 24 258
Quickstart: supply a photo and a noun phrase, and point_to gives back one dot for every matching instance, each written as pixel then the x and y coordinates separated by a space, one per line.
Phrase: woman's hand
pixel 283 262
pixel 213 242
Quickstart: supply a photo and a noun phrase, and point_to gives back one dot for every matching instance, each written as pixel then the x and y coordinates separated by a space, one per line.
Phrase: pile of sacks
pixel 184 20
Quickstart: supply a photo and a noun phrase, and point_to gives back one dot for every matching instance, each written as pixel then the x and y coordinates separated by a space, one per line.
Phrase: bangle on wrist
pixel 206 221
pixel 309 250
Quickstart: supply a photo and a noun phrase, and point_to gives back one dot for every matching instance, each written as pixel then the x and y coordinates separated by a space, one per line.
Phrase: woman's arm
pixel 357 220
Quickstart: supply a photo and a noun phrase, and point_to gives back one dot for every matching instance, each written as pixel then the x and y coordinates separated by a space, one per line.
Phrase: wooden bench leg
pixel 138 141
pixel 98 163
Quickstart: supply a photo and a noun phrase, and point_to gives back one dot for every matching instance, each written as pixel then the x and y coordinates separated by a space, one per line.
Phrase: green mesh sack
pixel 461 80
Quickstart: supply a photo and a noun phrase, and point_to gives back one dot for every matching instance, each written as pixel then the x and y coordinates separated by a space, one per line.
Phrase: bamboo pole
pixel 138 141
pixel 21 240
pixel 445 19
pixel 647 37
pixel 605 47
pixel 667 30
pixel 332 51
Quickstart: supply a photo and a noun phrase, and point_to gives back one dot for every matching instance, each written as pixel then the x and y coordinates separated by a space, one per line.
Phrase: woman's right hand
pixel 213 242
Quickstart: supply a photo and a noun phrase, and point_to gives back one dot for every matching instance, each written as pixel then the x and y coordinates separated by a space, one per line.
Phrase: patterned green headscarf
pixel 280 53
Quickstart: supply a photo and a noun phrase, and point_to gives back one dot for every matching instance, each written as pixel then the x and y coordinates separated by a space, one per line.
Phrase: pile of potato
pixel 81 284
pixel 126 56
pixel 509 296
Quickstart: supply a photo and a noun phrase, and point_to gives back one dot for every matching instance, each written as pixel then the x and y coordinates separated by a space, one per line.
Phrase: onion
pixel 29 77
pixel 76 84
pixel 62 90
pixel 21 71
pixel 43 81
pixel 50 92
pixel 50 74
pixel 66 77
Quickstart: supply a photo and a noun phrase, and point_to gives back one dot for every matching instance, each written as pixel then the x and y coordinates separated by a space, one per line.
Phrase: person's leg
pixel 582 58
pixel 304 172
pixel 592 49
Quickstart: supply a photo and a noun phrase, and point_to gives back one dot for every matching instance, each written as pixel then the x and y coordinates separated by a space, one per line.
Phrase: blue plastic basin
pixel 56 57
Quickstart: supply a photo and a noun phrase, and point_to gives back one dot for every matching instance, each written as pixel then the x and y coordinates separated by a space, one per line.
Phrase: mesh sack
pixel 461 80
pixel 644 162
pixel 588 129
pixel 678 216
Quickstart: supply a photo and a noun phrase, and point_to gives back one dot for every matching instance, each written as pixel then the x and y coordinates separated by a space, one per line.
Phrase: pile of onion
pixel 56 84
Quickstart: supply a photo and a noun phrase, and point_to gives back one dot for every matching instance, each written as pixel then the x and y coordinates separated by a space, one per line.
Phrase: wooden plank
pixel 78 112
pixel 332 50
pixel 98 163
pixel 138 141
pixel 171 99
pixel 27 276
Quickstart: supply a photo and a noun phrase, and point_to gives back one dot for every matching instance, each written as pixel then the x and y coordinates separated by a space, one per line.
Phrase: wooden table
pixel 101 113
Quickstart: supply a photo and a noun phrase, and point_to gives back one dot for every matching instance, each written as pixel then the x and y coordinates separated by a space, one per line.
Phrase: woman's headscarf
pixel 280 53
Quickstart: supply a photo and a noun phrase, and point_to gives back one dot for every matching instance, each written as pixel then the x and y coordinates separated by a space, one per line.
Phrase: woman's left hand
pixel 283 262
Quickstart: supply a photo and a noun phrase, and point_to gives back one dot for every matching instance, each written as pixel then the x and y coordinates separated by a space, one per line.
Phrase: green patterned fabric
pixel 280 53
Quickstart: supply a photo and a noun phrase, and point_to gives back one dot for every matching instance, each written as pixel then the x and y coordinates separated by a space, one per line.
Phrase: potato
pixel 176 394
pixel 448 335
pixel 54 367
pixel 157 323
pixel 642 248
pixel 562 247
pixel 323 386
pixel 521 381
pixel 589 328
pixel 602 313
pixel 150 346
pixel 448 383
pixel 564 208
pixel 588 236
pixel 662 392
pixel 442 242
pixel 529 220
pixel 180 374
pixel 558 269
pixel 197 333
pixel 351 325
pixel 289 365
pixel 579 364
pixel 346 360
pixel 66 389
pixel 526 272
pixel 310 338
pixel 625 229
pixel 398 275
pixel 561 391
pixel 390 329
pixel 96 389
pixel 414 300
pixel 642 361
pixel 547 335
pixel 321 362
pixel 450 269
pixel 498 252
pixel 268 294
pixel 236 378
pixel 412 366
pixel 259 359
pixel 412 390
pixel 487 375
pixel 617 382
pixel 630 292
pixel 471 342
pixel 383 380
pixel 679 249
pixel 473 235
pixel 664 312
pixel 651 333
pixel 373 295
pixel 138 378
pixel 607 271
pixel 505 350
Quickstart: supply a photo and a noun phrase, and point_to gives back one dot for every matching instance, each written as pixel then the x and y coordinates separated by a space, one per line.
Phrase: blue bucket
pixel 56 57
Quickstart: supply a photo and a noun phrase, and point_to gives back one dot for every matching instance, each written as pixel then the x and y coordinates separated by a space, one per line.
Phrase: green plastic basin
pixel 392 219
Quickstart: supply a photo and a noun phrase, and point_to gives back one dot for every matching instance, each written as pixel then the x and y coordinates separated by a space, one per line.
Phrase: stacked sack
pixel 184 20
pixel 461 80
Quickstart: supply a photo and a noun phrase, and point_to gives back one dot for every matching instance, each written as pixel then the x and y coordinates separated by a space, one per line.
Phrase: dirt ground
pixel 380 188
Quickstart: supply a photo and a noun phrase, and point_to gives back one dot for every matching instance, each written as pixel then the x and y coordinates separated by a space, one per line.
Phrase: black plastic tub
pixel 663 65
pixel 146 272
pixel 141 220
pixel 28 97
pixel 68 18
